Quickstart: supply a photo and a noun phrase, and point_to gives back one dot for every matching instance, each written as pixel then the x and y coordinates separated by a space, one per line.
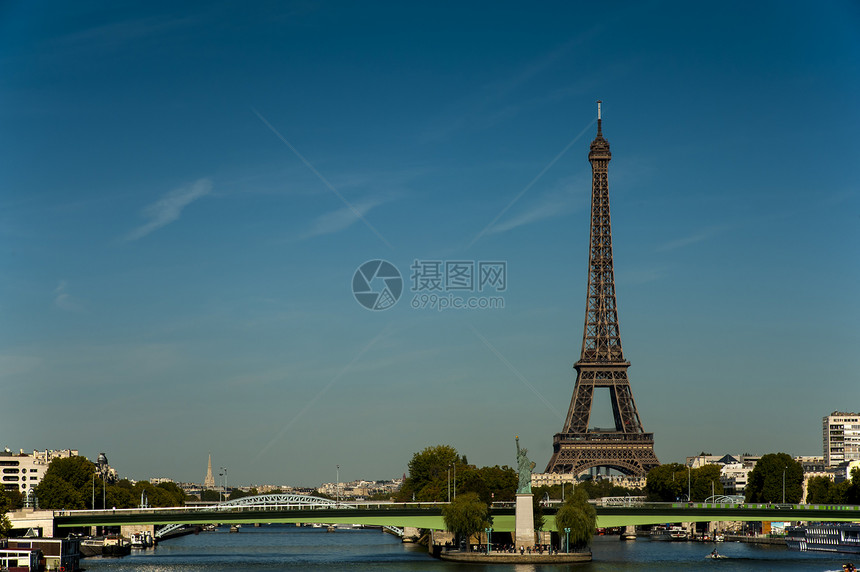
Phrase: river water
pixel 285 547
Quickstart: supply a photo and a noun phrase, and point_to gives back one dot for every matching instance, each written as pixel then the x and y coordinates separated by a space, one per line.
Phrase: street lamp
pixel 224 485
pixel 94 491
pixel 783 484
pixel 689 497
pixel 567 540
pixel 337 487
pixel 489 531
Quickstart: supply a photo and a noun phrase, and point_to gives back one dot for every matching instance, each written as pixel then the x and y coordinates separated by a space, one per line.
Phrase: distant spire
pixel 210 480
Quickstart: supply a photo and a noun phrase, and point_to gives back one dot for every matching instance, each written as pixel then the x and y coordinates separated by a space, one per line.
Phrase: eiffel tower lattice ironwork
pixel 578 448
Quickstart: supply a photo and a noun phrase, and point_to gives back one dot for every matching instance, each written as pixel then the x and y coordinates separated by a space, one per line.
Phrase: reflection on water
pixel 284 547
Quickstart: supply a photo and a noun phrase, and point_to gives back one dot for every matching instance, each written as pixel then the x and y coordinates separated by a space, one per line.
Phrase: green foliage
pixel 210 496
pixel 666 483
pixel 599 488
pixel 765 482
pixel 466 515
pixel 429 474
pixel 579 516
pixel 10 500
pixel 537 509
pixel 238 494
pixel 5 526
pixel 670 482
pixel 55 493
pixel 432 477
pixel 704 480
pixel 822 490
pixel 161 495
pixel 67 484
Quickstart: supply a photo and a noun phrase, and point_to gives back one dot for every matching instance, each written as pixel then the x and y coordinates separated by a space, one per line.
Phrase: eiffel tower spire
pixel 209 482
pixel 626 447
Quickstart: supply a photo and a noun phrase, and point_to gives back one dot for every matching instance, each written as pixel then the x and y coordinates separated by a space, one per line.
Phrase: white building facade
pixel 841 435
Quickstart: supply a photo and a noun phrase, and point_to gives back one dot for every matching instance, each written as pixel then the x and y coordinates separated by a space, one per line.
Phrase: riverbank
pixel 772 540
pixel 515 557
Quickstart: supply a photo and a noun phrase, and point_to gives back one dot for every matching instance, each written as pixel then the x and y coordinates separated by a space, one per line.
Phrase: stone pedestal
pixel 525 521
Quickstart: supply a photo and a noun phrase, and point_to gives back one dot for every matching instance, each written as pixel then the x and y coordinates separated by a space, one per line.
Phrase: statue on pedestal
pixel 524 469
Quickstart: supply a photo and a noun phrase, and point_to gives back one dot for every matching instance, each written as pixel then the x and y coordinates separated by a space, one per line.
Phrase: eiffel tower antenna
pixel 626 447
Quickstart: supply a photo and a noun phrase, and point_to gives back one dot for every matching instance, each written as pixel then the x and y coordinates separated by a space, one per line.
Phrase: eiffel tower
pixel 578 448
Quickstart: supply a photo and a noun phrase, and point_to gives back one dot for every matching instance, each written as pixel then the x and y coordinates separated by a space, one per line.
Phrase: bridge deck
pixel 429 515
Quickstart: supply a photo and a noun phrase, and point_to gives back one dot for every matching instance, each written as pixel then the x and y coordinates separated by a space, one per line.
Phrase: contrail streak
pixel 319 394
pixel 533 181
pixel 516 372
pixel 307 163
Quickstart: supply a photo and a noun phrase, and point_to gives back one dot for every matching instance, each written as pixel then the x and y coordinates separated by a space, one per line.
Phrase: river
pixel 285 547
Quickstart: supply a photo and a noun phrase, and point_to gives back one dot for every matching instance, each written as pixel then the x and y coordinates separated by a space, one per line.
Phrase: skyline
pixel 186 195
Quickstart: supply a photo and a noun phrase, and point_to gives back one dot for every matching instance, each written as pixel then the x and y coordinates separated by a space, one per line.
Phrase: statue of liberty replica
pixel 524 469
pixel 525 520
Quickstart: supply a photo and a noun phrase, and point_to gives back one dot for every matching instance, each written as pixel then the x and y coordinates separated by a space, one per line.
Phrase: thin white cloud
pixel 341 219
pixel 569 197
pixel 552 206
pixel 700 236
pixel 168 208
pixel 64 301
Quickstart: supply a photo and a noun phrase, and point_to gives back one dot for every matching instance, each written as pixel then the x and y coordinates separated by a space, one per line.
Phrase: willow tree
pixel 579 516
pixel 466 515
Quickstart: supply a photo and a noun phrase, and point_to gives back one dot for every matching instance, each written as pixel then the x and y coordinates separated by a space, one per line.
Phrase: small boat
pixel 716 555
pixel 235 527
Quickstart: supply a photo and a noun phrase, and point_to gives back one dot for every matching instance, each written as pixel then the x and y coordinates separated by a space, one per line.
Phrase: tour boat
pixel 824 537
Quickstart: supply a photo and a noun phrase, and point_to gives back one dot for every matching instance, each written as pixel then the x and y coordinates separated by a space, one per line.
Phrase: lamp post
pixel 689 497
pixel 224 483
pixel 455 479
pixel 337 487
pixel 489 531
pixel 221 487
pixel 567 540
pixel 783 484
pixel 94 491
pixel 448 481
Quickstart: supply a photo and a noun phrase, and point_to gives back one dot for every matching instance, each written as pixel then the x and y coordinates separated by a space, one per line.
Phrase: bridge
pixel 303 509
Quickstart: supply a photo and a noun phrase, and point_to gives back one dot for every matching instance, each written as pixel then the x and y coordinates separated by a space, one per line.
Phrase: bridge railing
pixel 363 505
pixel 612 503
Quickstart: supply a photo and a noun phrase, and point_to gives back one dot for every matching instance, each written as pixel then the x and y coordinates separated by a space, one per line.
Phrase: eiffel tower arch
pixel 626 447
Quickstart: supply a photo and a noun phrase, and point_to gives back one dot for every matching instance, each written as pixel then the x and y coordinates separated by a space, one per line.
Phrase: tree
pixel 822 490
pixel 67 483
pixel 537 509
pixel 704 480
pixel 210 496
pixel 429 473
pixel 466 515
pixel 666 483
pixel 5 526
pixel 238 494
pixel 10 500
pixel 765 482
pixel 579 516
pixel 437 471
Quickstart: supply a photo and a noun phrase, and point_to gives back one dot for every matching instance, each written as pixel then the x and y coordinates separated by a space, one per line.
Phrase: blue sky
pixel 186 192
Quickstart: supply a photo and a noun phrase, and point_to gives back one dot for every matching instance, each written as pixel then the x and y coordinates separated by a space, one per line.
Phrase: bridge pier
pixel 127 530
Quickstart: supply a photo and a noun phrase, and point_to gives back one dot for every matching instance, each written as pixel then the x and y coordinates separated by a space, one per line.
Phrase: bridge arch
pixel 276 501
pixel 284 501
